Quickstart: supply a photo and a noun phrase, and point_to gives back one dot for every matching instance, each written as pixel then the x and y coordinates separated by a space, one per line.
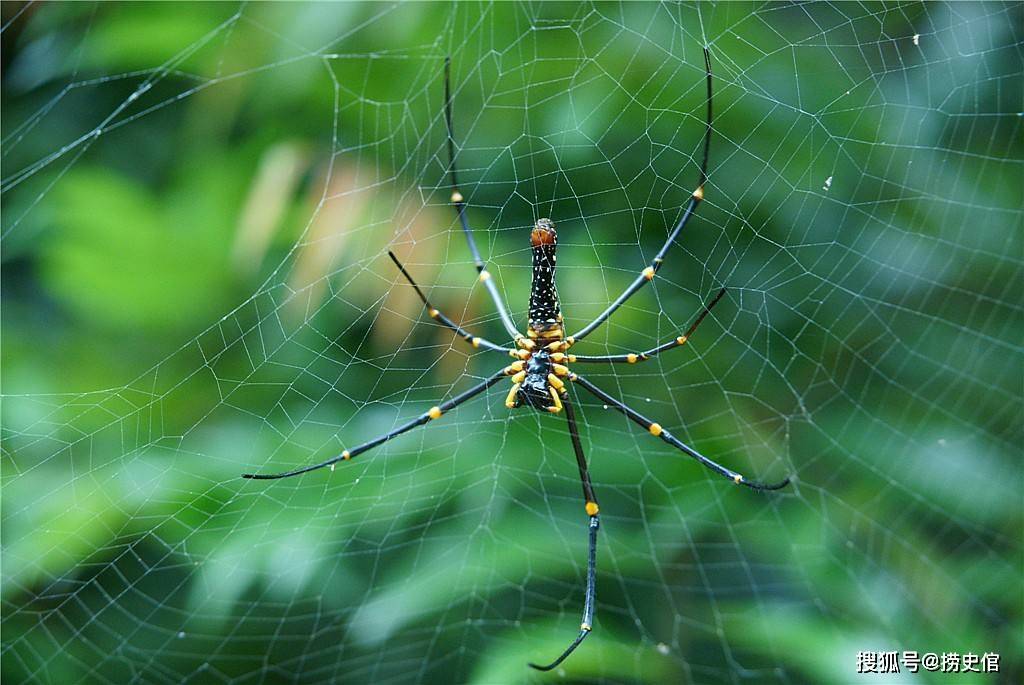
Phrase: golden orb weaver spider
pixel 541 369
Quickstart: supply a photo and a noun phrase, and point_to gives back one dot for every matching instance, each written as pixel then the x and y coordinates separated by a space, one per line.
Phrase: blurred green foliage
pixel 197 199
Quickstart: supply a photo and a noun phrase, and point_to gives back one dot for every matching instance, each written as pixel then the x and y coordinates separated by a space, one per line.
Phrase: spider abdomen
pixel 545 315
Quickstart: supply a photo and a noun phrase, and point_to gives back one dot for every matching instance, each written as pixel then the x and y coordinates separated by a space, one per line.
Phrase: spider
pixel 540 372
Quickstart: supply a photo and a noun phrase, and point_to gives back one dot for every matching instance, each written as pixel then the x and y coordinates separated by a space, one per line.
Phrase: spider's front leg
pixel 590 597
pixel 655 429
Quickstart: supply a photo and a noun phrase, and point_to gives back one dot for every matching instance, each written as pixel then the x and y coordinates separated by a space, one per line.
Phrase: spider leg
pixel 634 357
pixel 695 199
pixel 587 624
pixel 435 313
pixel 433 413
pixel 460 210
pixel 656 430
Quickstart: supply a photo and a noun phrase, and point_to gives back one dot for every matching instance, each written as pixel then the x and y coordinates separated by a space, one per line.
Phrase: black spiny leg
pixel 595 523
pixel 431 414
pixel 436 314
pixel 695 199
pixel 634 357
pixel 460 209
pixel 656 430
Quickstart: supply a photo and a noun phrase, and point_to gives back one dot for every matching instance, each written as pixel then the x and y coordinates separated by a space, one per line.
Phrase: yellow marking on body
pixel 547 334
pixel 525 343
pixel 737 479
pixel 560 370
pixel 519 377
pixel 558 402
pixel 648 273
pixel 560 345
pixel 592 509
pixel 554 381
pixel 532 333
pixel 346 455
pixel 457 197
pixel 434 413
pixel 655 429
pixel 484 275
pixel 475 342
pixel 699 193
pixel 682 339
pixel 631 358
pixel 510 400
pixel 433 313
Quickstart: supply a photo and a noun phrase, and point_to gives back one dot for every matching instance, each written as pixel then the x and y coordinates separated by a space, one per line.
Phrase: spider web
pixel 198 202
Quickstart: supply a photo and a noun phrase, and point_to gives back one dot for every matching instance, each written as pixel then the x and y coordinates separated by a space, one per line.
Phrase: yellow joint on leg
pixel 737 478
pixel 648 273
pixel 510 400
pixel 522 354
pixel 346 455
pixel 682 339
pixel 554 381
pixel 525 343
pixel 592 509
pixel 655 429
pixel 514 367
pixel 586 627
pixel 433 313
pixel 631 358
pixel 558 402
pixel 559 369
pixel 699 193
pixel 475 342
pixel 519 377
pixel 457 197
pixel 484 275
pixel 434 413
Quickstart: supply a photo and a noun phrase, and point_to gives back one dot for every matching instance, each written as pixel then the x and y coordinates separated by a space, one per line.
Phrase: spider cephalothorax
pixel 536 378
pixel 541 370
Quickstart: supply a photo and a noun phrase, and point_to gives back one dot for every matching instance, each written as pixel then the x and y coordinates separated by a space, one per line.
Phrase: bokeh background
pixel 197 203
